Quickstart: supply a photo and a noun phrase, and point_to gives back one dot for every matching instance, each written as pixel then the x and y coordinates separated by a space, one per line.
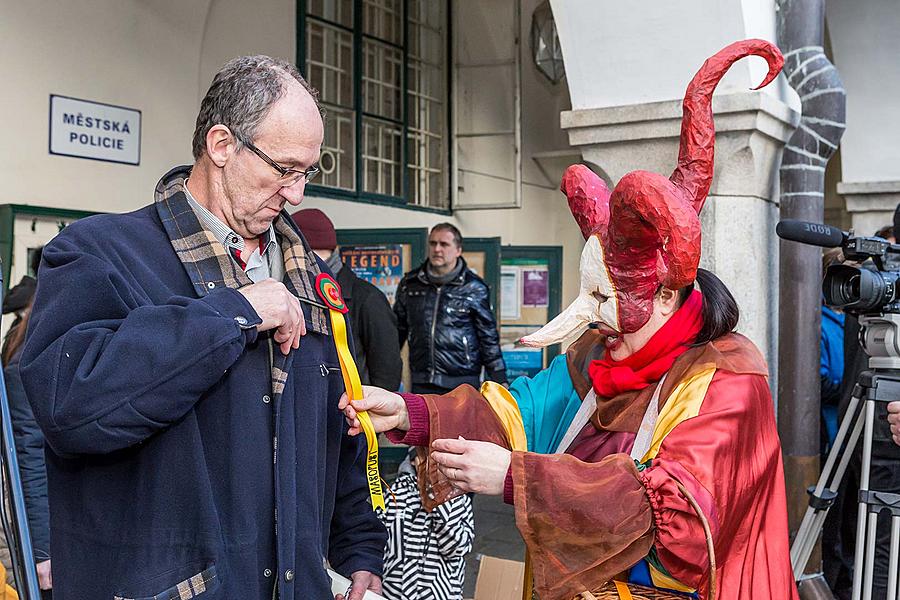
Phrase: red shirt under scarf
pixel 647 365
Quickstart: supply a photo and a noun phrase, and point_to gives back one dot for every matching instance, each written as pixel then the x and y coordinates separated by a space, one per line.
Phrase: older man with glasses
pixel 184 368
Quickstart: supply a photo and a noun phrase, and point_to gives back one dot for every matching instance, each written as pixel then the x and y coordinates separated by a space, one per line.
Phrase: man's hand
pixel 478 467
pixel 894 420
pixel 386 409
pixel 279 309
pixel 45 579
pixel 362 581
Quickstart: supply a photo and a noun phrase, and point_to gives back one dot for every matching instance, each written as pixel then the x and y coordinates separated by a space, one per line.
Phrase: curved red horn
pixel 588 197
pixel 695 158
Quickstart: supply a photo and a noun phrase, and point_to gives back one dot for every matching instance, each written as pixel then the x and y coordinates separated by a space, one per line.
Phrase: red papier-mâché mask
pixel 645 234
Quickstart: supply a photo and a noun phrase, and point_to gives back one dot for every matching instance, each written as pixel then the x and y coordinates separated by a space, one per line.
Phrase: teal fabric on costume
pixel 548 403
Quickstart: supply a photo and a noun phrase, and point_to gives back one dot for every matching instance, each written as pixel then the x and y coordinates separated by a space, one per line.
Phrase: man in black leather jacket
pixel 443 310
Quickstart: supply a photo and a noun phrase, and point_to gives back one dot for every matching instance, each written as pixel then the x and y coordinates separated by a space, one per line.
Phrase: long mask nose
pixel 571 321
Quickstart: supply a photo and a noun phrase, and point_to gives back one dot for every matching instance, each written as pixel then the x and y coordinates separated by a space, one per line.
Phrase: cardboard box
pixel 499 579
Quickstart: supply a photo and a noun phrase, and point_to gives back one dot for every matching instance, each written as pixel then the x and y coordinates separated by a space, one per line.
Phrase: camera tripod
pixel 880 337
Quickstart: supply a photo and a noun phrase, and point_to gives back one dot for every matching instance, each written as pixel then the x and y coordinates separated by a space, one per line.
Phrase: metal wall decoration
pixel 545 48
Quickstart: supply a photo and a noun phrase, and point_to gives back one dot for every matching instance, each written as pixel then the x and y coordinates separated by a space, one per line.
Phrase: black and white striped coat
pixel 425 554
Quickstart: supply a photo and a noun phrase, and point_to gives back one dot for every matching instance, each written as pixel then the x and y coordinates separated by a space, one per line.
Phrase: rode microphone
pixel 815 234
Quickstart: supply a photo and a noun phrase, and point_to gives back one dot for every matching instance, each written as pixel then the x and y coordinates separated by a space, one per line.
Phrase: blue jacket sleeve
pixel 32 469
pixel 104 367
pixel 548 403
pixel 358 537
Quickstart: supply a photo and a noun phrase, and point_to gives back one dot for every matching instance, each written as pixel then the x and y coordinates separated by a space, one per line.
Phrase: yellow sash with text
pixel 330 292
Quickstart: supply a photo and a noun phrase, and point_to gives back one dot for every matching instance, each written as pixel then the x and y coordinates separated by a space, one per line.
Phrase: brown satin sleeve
pixel 582 522
pixel 462 412
pixel 587 348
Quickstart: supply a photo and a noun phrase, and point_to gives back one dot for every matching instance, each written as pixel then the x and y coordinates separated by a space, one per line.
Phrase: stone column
pixel 739 218
pixel 871 204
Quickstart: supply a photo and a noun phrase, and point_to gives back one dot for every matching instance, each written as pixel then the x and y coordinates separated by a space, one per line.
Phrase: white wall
pixel 617 54
pixel 542 102
pixel 865 42
pixel 237 28
pixel 126 52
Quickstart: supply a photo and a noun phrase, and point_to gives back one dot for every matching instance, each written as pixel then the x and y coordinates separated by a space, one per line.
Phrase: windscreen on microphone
pixel 815 234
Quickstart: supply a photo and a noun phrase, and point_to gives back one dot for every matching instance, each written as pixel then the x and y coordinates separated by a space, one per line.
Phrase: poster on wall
pixel 94 130
pixel 520 360
pixel 535 287
pixel 381 265
pixel 510 307
pixel 523 362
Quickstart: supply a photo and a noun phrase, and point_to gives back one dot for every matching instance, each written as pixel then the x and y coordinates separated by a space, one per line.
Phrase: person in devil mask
pixel 647 453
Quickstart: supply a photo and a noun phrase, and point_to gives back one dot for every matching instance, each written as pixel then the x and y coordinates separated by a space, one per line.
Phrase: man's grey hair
pixel 242 93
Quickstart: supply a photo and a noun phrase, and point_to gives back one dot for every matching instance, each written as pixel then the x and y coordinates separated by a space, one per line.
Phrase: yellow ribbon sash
pixel 354 392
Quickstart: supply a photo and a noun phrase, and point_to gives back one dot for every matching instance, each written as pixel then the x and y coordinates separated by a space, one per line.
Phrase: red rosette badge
pixel 330 293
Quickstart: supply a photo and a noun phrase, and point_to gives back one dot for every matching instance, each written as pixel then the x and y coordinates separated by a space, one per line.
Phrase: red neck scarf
pixel 647 365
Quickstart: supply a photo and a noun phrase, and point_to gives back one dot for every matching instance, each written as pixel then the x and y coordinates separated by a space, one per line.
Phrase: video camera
pixel 870 291
pixel 857 290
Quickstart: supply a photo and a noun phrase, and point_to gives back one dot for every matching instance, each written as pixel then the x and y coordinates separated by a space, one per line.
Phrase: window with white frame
pixel 381 69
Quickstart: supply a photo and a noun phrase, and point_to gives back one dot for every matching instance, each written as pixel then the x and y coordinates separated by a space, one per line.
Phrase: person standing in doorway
pixel 443 310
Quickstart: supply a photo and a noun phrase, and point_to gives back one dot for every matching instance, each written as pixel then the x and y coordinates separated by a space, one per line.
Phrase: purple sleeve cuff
pixel 419 426
pixel 508 495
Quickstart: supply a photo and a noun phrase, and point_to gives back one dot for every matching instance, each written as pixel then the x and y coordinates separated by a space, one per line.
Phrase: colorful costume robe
pixel 587 521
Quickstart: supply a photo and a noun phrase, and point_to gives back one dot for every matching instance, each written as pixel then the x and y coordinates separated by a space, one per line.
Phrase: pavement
pixel 495 535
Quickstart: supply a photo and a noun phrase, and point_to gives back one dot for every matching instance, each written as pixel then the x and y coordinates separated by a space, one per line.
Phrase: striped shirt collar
pixel 225 234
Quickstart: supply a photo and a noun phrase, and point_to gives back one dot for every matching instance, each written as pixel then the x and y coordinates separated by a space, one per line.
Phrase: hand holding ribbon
pixel 386 410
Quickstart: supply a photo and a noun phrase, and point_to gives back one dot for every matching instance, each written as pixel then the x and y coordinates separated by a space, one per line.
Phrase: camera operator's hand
pixel 894 420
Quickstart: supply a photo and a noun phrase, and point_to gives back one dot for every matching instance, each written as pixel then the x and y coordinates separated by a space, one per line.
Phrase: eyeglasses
pixel 287 177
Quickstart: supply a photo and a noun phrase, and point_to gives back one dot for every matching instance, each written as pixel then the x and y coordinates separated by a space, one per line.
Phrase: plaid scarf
pixel 209 265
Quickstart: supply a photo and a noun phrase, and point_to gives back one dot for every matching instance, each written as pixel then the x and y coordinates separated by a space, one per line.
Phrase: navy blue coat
pixel 156 405
pixel 30 454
